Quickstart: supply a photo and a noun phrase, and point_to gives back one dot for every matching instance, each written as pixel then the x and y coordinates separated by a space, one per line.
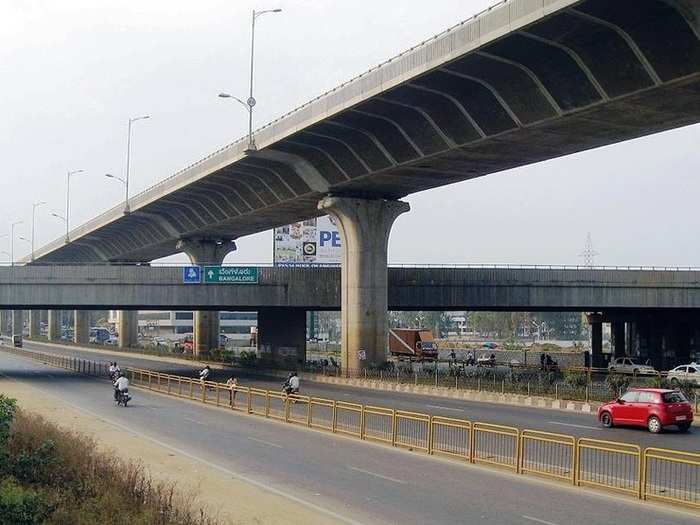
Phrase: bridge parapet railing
pixel 668 476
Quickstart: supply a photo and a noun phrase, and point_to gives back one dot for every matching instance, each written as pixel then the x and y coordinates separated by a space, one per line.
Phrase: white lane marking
pixel 572 425
pixel 241 477
pixel 537 520
pixel 440 407
pixel 374 474
pixel 268 443
pixel 194 421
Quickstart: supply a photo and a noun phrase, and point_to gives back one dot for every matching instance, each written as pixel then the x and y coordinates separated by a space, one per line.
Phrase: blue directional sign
pixel 192 275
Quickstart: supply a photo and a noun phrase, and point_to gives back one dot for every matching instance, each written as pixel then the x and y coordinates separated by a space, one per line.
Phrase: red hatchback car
pixel 654 408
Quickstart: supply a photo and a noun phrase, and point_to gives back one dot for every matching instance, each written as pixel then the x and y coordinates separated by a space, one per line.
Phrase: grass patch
pixel 57 477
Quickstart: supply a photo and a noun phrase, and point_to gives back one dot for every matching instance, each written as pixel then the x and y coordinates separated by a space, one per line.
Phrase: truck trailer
pixel 412 345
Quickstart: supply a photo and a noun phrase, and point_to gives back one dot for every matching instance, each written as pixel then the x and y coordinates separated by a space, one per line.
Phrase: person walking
pixel 232 383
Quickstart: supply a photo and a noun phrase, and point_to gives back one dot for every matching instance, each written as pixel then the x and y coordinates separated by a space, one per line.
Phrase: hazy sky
pixel 72 72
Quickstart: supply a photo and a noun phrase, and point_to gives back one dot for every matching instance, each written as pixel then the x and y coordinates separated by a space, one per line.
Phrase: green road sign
pixel 230 275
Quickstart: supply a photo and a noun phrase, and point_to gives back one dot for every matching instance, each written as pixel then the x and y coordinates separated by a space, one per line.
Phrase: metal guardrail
pixel 669 476
pixel 407 266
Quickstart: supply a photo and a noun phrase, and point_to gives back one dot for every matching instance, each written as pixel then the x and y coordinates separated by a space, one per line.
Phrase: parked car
pixel 632 366
pixel 690 373
pixel 653 408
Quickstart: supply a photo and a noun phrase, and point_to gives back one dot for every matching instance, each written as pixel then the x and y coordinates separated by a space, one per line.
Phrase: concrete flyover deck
pixel 416 288
pixel 525 81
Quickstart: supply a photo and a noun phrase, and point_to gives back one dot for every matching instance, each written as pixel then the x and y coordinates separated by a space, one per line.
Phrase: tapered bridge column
pixel 364 227
pixel 203 252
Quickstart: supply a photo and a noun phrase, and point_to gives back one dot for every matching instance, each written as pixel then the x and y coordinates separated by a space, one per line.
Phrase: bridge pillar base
pixel 54 322
pixel 201 252
pixel 282 335
pixel 128 328
pixel 364 227
pixel 17 322
pixel 81 327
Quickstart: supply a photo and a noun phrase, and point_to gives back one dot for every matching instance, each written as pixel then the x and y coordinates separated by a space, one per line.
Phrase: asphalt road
pixel 559 422
pixel 355 481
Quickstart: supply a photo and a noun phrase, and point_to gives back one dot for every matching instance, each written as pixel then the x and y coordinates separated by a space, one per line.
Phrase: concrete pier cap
pixel 364 226
pixel 206 251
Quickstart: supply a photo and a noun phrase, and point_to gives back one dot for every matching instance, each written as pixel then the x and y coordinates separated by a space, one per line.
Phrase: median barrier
pixel 496 445
pixel 549 455
pixel 669 476
pixel 609 465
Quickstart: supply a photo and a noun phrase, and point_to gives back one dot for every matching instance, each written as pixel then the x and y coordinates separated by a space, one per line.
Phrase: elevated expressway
pixel 655 313
pixel 525 81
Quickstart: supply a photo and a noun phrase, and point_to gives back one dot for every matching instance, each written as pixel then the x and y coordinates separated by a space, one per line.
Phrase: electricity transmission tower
pixel 589 253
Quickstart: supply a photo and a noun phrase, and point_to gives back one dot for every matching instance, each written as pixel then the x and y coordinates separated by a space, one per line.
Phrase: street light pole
pixel 70 174
pixel 12 241
pixel 34 207
pixel 128 162
pixel 250 103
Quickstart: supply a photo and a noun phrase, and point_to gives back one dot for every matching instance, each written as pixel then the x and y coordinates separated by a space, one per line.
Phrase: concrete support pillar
pixel 54 325
pixel 81 327
pixel 34 324
pixel 617 329
pixel 5 322
pixel 596 322
pixel 128 328
pixel 203 252
pixel 364 227
pixel 683 345
pixel 282 335
pixel 17 322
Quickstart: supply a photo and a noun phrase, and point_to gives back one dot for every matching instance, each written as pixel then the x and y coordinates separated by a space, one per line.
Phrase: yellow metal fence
pixel 651 474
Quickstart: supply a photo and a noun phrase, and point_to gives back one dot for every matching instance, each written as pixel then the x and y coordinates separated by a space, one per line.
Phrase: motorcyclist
pixel 121 386
pixel 112 371
pixel 291 386
pixel 204 374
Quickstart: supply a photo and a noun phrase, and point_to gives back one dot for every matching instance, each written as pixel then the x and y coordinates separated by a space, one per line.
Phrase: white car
pixel 632 366
pixel 690 373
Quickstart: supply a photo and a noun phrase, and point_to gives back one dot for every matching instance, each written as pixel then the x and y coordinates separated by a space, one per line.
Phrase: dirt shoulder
pixel 230 499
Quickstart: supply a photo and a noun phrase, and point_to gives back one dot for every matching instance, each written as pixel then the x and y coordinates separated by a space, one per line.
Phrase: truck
pixel 412 344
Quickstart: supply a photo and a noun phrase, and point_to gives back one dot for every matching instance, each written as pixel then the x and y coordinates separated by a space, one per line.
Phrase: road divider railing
pixel 669 476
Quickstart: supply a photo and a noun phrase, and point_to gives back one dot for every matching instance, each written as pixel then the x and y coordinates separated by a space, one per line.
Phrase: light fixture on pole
pixel 58 216
pixel 34 207
pixel 67 217
pixel 110 176
pixel 12 241
pixel 128 162
pixel 250 103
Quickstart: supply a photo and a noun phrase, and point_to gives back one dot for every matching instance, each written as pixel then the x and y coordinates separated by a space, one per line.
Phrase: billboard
pixel 314 242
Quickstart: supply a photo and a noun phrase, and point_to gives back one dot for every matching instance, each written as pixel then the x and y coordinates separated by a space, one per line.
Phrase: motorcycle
pixel 123 398
pixel 288 390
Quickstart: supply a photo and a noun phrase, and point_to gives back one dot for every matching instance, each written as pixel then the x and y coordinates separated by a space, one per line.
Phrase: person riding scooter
pixel 121 387
pixel 291 385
